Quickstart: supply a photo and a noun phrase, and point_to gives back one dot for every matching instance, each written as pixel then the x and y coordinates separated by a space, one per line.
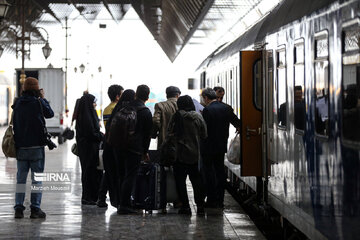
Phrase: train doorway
pixel 251 113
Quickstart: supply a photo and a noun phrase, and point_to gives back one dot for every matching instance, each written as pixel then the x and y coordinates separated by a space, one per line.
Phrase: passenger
pixel 189 127
pixel 162 115
pixel 217 117
pixel 198 107
pixel 28 121
pixel 114 167
pixel 75 112
pixel 114 93
pixel 132 154
pixel 220 92
pixel 163 112
pixel 88 138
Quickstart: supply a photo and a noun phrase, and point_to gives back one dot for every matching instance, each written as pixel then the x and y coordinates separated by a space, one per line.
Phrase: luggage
pixel 149 192
pixel 233 154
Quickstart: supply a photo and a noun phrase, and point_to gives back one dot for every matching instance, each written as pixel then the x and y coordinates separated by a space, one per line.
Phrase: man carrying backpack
pixel 135 141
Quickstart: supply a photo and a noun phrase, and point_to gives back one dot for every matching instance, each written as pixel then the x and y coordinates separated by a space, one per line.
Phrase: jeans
pixel 34 159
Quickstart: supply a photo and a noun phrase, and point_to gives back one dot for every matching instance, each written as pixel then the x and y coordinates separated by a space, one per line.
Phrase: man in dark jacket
pixel 218 117
pixel 28 119
pixel 132 155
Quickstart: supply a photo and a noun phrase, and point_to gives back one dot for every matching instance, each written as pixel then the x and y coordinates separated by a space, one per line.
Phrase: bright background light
pixel 127 51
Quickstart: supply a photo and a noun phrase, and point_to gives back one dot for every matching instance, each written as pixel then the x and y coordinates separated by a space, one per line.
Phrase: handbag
pixel 233 154
pixel 8 143
pixel 74 149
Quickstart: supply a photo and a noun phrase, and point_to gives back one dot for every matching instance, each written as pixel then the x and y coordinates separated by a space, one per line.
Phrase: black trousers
pixel 130 163
pixel 90 176
pixel 214 175
pixel 103 187
pixel 181 171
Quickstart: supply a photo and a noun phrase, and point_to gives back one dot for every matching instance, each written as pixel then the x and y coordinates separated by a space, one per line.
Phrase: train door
pixel 251 113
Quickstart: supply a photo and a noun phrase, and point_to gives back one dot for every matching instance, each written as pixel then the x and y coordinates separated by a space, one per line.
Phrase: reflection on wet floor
pixel 66 218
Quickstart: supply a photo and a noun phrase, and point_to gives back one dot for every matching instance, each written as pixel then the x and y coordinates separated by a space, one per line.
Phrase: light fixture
pixel 4 7
pixel 46 50
pixel 1 50
pixel 82 68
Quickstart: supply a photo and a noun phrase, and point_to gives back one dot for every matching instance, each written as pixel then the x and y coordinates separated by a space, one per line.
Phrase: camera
pixel 51 145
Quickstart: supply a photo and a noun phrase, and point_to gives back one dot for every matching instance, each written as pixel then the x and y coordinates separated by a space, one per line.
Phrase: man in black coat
pixel 218 117
pixel 138 150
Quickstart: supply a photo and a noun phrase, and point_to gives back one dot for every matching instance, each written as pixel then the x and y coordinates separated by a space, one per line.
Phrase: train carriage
pixel 294 80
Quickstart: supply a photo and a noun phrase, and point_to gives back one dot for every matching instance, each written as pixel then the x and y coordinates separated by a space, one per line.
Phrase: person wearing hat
pixel 29 111
pixel 163 111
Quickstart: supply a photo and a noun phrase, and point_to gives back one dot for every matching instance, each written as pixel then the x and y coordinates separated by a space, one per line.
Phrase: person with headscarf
pixel 113 167
pixel 188 127
pixel 88 138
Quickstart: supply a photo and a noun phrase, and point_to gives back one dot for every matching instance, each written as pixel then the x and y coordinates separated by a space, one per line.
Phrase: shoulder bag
pixel 8 143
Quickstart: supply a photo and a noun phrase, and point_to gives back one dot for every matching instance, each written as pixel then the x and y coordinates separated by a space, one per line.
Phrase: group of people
pixel 201 132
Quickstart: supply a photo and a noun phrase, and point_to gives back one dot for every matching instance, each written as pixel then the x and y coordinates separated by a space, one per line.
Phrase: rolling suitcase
pixel 150 190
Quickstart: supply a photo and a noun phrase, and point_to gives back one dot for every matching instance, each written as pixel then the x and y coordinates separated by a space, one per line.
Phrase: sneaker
pixel 126 210
pixel 101 204
pixel 86 202
pixel 37 213
pixel 19 213
pixel 200 210
pixel 186 211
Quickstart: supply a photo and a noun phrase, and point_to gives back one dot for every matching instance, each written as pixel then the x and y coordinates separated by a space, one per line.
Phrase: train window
pixel 270 76
pixel 257 85
pixel 299 86
pixel 203 80
pixel 351 85
pixel 321 85
pixel 281 89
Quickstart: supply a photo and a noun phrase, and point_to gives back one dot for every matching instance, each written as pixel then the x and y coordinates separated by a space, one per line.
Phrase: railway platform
pixel 68 219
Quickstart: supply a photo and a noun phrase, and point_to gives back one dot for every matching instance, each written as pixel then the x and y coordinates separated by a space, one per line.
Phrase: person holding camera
pixel 30 137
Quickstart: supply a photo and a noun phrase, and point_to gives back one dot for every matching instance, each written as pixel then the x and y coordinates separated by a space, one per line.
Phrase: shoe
pixel 19 213
pixel 37 213
pixel 186 211
pixel 101 204
pixel 126 210
pixel 200 210
pixel 86 202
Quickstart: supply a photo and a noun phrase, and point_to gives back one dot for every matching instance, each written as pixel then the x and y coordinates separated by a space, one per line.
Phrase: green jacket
pixel 188 146
pixel 163 111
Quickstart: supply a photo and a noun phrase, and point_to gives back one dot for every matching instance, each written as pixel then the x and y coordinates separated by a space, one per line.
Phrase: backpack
pixel 122 127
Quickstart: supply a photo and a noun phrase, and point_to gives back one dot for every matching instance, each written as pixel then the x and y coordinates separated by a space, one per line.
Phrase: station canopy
pixel 173 23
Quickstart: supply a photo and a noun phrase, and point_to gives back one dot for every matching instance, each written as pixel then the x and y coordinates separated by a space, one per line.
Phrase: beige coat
pixel 162 114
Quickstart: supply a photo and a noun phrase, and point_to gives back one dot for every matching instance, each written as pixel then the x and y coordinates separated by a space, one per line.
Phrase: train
pixel 293 79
